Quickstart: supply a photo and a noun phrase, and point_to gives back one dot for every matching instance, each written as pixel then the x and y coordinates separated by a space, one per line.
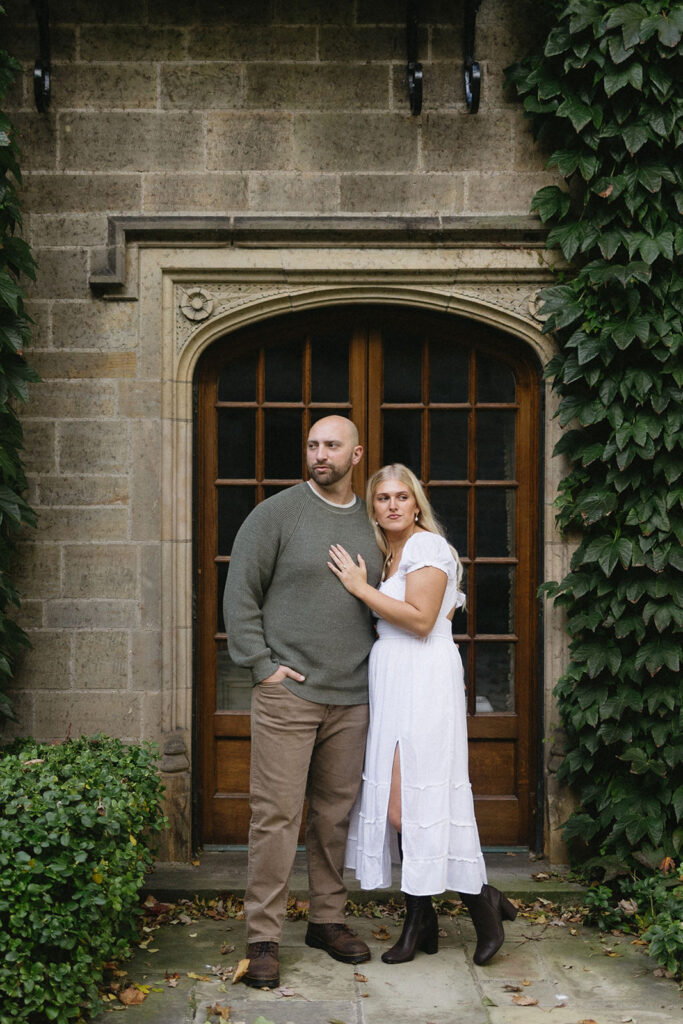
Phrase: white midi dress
pixel 417 700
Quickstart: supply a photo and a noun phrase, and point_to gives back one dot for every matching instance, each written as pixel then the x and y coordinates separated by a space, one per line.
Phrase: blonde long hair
pixel 426 518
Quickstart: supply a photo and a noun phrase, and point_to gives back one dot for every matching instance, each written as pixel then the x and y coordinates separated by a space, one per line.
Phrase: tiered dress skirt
pixel 417 701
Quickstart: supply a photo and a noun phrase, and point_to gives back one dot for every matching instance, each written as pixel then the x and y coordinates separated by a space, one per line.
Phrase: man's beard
pixel 332 475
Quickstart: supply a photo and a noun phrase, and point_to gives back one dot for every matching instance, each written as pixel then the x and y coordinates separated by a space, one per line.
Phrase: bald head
pixel 332 450
pixel 339 426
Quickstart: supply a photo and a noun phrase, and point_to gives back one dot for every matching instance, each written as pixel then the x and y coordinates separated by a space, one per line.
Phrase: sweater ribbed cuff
pixel 263 668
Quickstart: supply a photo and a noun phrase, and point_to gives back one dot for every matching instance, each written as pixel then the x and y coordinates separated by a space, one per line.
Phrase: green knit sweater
pixel 282 605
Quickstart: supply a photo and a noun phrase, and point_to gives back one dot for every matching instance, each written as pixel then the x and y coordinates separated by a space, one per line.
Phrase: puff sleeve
pixel 423 549
pixel 429 549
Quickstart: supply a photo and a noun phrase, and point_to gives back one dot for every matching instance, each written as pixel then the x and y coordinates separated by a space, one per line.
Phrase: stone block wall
pixel 217 108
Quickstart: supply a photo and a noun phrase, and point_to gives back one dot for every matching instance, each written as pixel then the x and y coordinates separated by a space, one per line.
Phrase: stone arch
pixel 515 318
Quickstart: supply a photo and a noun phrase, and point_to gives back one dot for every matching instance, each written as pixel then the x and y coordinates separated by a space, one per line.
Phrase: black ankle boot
pixel 420 931
pixel 488 910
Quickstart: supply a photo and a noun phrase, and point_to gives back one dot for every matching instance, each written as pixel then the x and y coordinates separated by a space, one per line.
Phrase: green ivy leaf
pixel 628 17
pixel 635 136
pixel 558 41
pixel 580 114
pixel 550 202
pixel 10 292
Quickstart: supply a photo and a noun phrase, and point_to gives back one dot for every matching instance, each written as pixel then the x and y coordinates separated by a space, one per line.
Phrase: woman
pixel 416 788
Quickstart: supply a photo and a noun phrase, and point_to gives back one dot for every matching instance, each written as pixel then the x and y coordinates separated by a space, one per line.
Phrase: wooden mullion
pixel 472 537
pixel 306 386
pixel 425 455
pixel 259 425
pixel 375 387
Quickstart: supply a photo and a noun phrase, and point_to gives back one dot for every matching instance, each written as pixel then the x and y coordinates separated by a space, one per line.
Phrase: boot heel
pixel 508 911
pixel 430 945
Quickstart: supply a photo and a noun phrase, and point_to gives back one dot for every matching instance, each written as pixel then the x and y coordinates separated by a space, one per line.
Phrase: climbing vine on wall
pixel 15 261
pixel 605 97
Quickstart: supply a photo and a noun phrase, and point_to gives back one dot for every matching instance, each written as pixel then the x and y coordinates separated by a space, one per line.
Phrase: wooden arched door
pixel 456 401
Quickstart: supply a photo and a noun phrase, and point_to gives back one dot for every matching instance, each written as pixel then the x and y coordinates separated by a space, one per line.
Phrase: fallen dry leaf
pixel 227 948
pixel 382 934
pixel 524 1001
pixel 132 996
pixel 223 1012
pixel 198 977
pixel 541 876
pixel 240 970
pixel 172 979
pixel 359 977
pixel 525 982
pixel 284 991
pixel 667 865
pixel 511 988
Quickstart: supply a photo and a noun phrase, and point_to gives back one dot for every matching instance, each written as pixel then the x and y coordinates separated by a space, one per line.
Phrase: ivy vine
pixel 605 97
pixel 15 373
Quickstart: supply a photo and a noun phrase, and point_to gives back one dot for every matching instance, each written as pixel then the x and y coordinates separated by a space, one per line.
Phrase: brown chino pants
pixel 300 750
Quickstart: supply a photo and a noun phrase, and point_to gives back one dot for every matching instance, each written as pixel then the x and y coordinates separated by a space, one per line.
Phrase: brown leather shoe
pixel 339 941
pixel 264 965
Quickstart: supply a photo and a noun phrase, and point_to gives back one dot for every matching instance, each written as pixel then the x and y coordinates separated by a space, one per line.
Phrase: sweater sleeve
pixel 252 563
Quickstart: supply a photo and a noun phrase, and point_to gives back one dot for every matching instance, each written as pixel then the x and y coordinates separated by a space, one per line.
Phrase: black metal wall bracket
pixel 472 69
pixel 414 67
pixel 41 68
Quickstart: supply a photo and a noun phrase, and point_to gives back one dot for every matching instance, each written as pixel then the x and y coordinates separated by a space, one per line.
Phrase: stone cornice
pixel 303 231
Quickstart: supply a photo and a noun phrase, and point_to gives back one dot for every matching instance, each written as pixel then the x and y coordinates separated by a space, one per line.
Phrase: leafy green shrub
pixel 75 825
pixel 604 99
pixel 15 260
pixel 650 907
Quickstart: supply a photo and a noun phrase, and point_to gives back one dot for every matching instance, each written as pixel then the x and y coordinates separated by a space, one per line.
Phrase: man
pixel 306 641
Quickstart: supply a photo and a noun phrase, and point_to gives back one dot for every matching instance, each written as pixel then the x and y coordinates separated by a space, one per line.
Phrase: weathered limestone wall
pixel 215 108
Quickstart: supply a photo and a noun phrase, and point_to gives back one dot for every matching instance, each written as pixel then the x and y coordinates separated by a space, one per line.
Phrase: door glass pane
pixel 283 373
pixel 222 575
pixel 496 522
pixel 234 505
pixel 330 370
pixel 495 598
pixel 448 432
pixel 233 684
pixel 495 380
pixel 236 444
pixel 450 505
pixel 402 369
pixel 237 380
pixel 283 444
pixel 402 439
pixel 495 677
pixel 268 492
pixel 448 372
pixel 496 444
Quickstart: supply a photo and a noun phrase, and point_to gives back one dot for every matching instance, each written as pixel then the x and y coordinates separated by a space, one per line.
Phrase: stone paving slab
pixel 541 960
